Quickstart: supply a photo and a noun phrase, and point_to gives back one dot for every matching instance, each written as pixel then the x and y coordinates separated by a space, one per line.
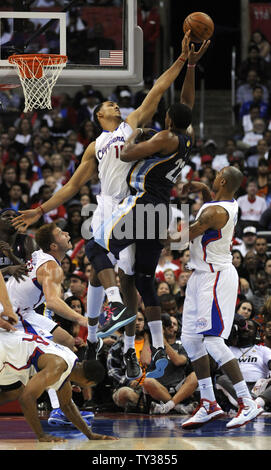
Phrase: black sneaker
pixel 158 364
pixel 93 349
pixel 118 316
pixel 133 369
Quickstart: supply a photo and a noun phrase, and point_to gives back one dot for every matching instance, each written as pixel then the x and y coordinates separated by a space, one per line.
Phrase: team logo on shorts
pixel 201 323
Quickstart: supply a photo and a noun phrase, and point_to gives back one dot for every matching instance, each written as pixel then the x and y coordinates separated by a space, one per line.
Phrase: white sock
pixel 129 342
pixel 92 333
pixel 95 298
pixel 156 329
pixel 113 294
pixel 241 390
pixel 53 398
pixel 206 389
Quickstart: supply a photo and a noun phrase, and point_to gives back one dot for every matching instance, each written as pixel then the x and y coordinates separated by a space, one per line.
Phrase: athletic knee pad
pixel 97 256
pixel 194 346
pixel 217 348
pixel 146 287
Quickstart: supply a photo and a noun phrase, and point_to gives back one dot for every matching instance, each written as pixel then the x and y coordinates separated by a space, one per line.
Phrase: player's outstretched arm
pixel 52 367
pixel 187 95
pixel 162 142
pixel 82 174
pixel 72 413
pixel 50 276
pixel 144 113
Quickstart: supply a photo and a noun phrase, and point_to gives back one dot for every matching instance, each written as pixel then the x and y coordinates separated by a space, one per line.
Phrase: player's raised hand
pixel 185 45
pixel 27 218
pixel 195 56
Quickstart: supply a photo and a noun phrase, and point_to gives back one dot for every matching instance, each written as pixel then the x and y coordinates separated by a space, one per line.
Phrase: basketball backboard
pixel 103 43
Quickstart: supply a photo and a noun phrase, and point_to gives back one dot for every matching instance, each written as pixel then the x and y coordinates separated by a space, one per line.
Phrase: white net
pixel 38 75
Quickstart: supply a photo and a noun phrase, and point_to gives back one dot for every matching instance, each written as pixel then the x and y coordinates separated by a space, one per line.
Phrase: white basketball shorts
pixel 104 212
pixel 210 301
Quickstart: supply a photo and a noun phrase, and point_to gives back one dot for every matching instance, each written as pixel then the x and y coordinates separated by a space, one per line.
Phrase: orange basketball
pixel 201 26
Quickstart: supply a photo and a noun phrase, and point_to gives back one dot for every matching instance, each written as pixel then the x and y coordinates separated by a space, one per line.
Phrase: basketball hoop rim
pixel 43 58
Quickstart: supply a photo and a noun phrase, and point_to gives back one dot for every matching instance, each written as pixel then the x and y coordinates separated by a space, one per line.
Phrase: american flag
pixel 111 58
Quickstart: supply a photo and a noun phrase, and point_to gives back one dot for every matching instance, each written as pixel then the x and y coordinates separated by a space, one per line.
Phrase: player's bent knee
pixel 97 256
pixel 217 348
pixel 194 346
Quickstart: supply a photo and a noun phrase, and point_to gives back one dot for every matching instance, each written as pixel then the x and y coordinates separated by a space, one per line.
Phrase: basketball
pixel 201 26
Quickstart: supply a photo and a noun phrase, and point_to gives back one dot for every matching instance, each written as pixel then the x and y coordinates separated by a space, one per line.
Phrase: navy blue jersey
pixel 157 174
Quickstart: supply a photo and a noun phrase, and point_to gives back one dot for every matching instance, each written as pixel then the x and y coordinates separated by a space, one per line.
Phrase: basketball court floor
pixel 140 433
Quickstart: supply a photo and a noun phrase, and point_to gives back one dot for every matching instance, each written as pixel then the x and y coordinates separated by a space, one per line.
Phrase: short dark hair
pixel 95 116
pixel 181 115
pixel 166 298
pixel 234 178
pixel 93 370
pixel 44 236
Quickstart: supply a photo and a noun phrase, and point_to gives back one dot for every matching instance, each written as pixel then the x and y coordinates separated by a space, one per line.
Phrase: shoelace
pixel 241 407
pixel 109 313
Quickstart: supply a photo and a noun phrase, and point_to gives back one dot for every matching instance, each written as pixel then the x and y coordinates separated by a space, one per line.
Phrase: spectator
pixel 15 248
pixel 86 133
pixel 24 134
pixel 246 309
pixel 128 394
pixel 25 173
pixel 78 286
pixel 251 138
pixel 257 99
pixel 261 248
pixel 9 177
pixel 246 120
pixel 260 293
pixel 267 269
pixel 222 160
pixel 166 262
pixel 267 333
pixel 251 268
pixel 163 288
pixel 237 261
pixel 249 236
pixel 169 305
pixel 251 206
pixel 259 39
pixel 175 390
pixel 254 61
pixel 244 91
pixel 15 198
pixel 261 154
pixel 125 103
pixel 255 363
pixel 73 225
pixel 171 281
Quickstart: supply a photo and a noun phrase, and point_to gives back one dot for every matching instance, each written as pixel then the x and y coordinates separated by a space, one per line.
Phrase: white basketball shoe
pixel 248 410
pixel 206 411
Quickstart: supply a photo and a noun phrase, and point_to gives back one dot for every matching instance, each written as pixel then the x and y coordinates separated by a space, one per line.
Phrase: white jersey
pixel 19 353
pixel 28 294
pixel 253 361
pixel 112 171
pixel 212 250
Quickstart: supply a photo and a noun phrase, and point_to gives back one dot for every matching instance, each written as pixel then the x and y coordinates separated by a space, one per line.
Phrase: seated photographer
pixel 255 363
pixel 175 390
pixel 128 394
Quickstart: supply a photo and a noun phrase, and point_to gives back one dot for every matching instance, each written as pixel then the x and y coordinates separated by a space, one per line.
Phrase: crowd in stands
pixel 40 151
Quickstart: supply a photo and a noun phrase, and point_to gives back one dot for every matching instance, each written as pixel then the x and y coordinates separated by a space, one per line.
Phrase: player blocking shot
pixel 112 174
